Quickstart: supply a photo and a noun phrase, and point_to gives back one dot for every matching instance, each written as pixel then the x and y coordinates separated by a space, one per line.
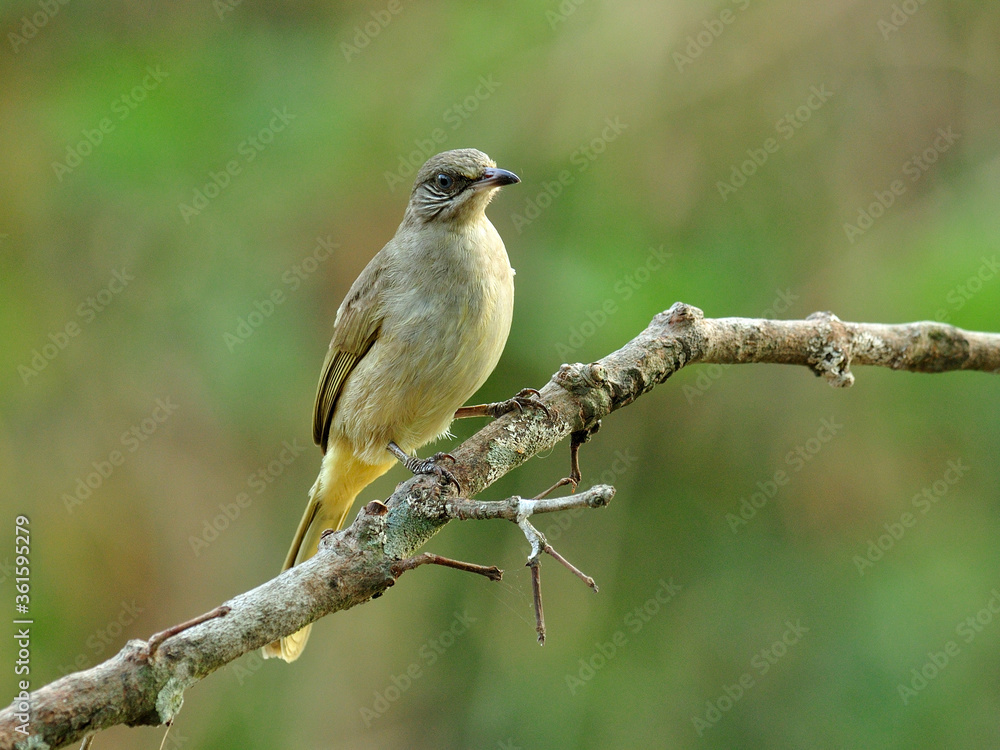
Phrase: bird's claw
pixel 524 397
pixel 432 467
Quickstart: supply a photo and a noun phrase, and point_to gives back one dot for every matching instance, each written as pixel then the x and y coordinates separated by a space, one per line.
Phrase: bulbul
pixel 419 332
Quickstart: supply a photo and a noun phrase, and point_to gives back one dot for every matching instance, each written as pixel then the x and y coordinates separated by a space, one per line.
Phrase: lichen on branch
pixel 144 683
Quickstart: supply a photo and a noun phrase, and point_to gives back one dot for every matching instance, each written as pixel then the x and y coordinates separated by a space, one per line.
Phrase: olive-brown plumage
pixel 419 332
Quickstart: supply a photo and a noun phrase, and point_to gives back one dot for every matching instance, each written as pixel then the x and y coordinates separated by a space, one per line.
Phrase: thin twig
pixel 576 440
pixel 163 742
pixel 573 569
pixel 354 564
pixel 516 507
pixel 154 643
pixel 429 558
pixel 536 590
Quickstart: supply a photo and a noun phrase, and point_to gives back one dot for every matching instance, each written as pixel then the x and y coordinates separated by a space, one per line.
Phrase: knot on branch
pixel 937 347
pixel 679 313
pixel 144 683
pixel 579 378
pixel 590 385
pixel 830 350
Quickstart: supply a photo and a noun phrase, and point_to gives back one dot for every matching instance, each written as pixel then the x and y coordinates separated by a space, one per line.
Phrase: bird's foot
pixel 526 397
pixel 431 466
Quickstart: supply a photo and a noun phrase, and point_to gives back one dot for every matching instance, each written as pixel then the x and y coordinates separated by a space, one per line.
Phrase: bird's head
pixel 456 186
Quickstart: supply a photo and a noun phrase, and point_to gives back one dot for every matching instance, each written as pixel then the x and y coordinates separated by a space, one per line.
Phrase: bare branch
pixel 144 685
pixel 516 509
pixel 429 558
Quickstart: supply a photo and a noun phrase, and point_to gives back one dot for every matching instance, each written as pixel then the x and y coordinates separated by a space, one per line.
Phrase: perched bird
pixel 419 332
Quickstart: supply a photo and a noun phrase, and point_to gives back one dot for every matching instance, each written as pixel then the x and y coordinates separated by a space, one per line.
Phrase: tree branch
pixel 137 687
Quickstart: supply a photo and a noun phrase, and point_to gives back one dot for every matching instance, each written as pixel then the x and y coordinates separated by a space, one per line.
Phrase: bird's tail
pixel 341 478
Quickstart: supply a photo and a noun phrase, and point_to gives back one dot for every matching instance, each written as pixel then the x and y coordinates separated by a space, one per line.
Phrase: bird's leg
pixel 426 465
pixel 525 397
pixel 577 439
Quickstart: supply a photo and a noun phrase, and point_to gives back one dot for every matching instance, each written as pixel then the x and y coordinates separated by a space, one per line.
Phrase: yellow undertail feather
pixel 341 478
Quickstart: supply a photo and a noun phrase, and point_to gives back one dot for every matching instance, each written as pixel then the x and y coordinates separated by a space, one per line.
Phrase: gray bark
pixel 145 686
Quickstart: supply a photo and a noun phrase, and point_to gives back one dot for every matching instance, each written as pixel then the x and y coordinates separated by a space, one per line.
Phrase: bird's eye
pixel 444 181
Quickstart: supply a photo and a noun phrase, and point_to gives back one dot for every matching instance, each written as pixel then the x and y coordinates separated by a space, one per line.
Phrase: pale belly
pixel 421 370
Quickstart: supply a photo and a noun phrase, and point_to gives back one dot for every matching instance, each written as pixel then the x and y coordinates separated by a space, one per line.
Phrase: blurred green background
pixel 623 121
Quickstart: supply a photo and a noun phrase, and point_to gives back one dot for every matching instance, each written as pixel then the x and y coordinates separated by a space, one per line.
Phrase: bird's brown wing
pixel 357 328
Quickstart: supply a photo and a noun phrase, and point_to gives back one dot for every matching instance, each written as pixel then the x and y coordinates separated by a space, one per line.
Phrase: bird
pixel 418 333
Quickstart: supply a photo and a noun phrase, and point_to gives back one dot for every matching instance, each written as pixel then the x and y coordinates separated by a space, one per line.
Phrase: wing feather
pixel 359 321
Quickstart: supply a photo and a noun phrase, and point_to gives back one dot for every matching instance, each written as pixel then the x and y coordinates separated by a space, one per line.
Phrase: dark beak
pixel 494 178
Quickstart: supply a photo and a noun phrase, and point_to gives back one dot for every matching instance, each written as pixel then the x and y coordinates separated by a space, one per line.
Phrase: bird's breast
pixel 442 334
pixel 463 311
